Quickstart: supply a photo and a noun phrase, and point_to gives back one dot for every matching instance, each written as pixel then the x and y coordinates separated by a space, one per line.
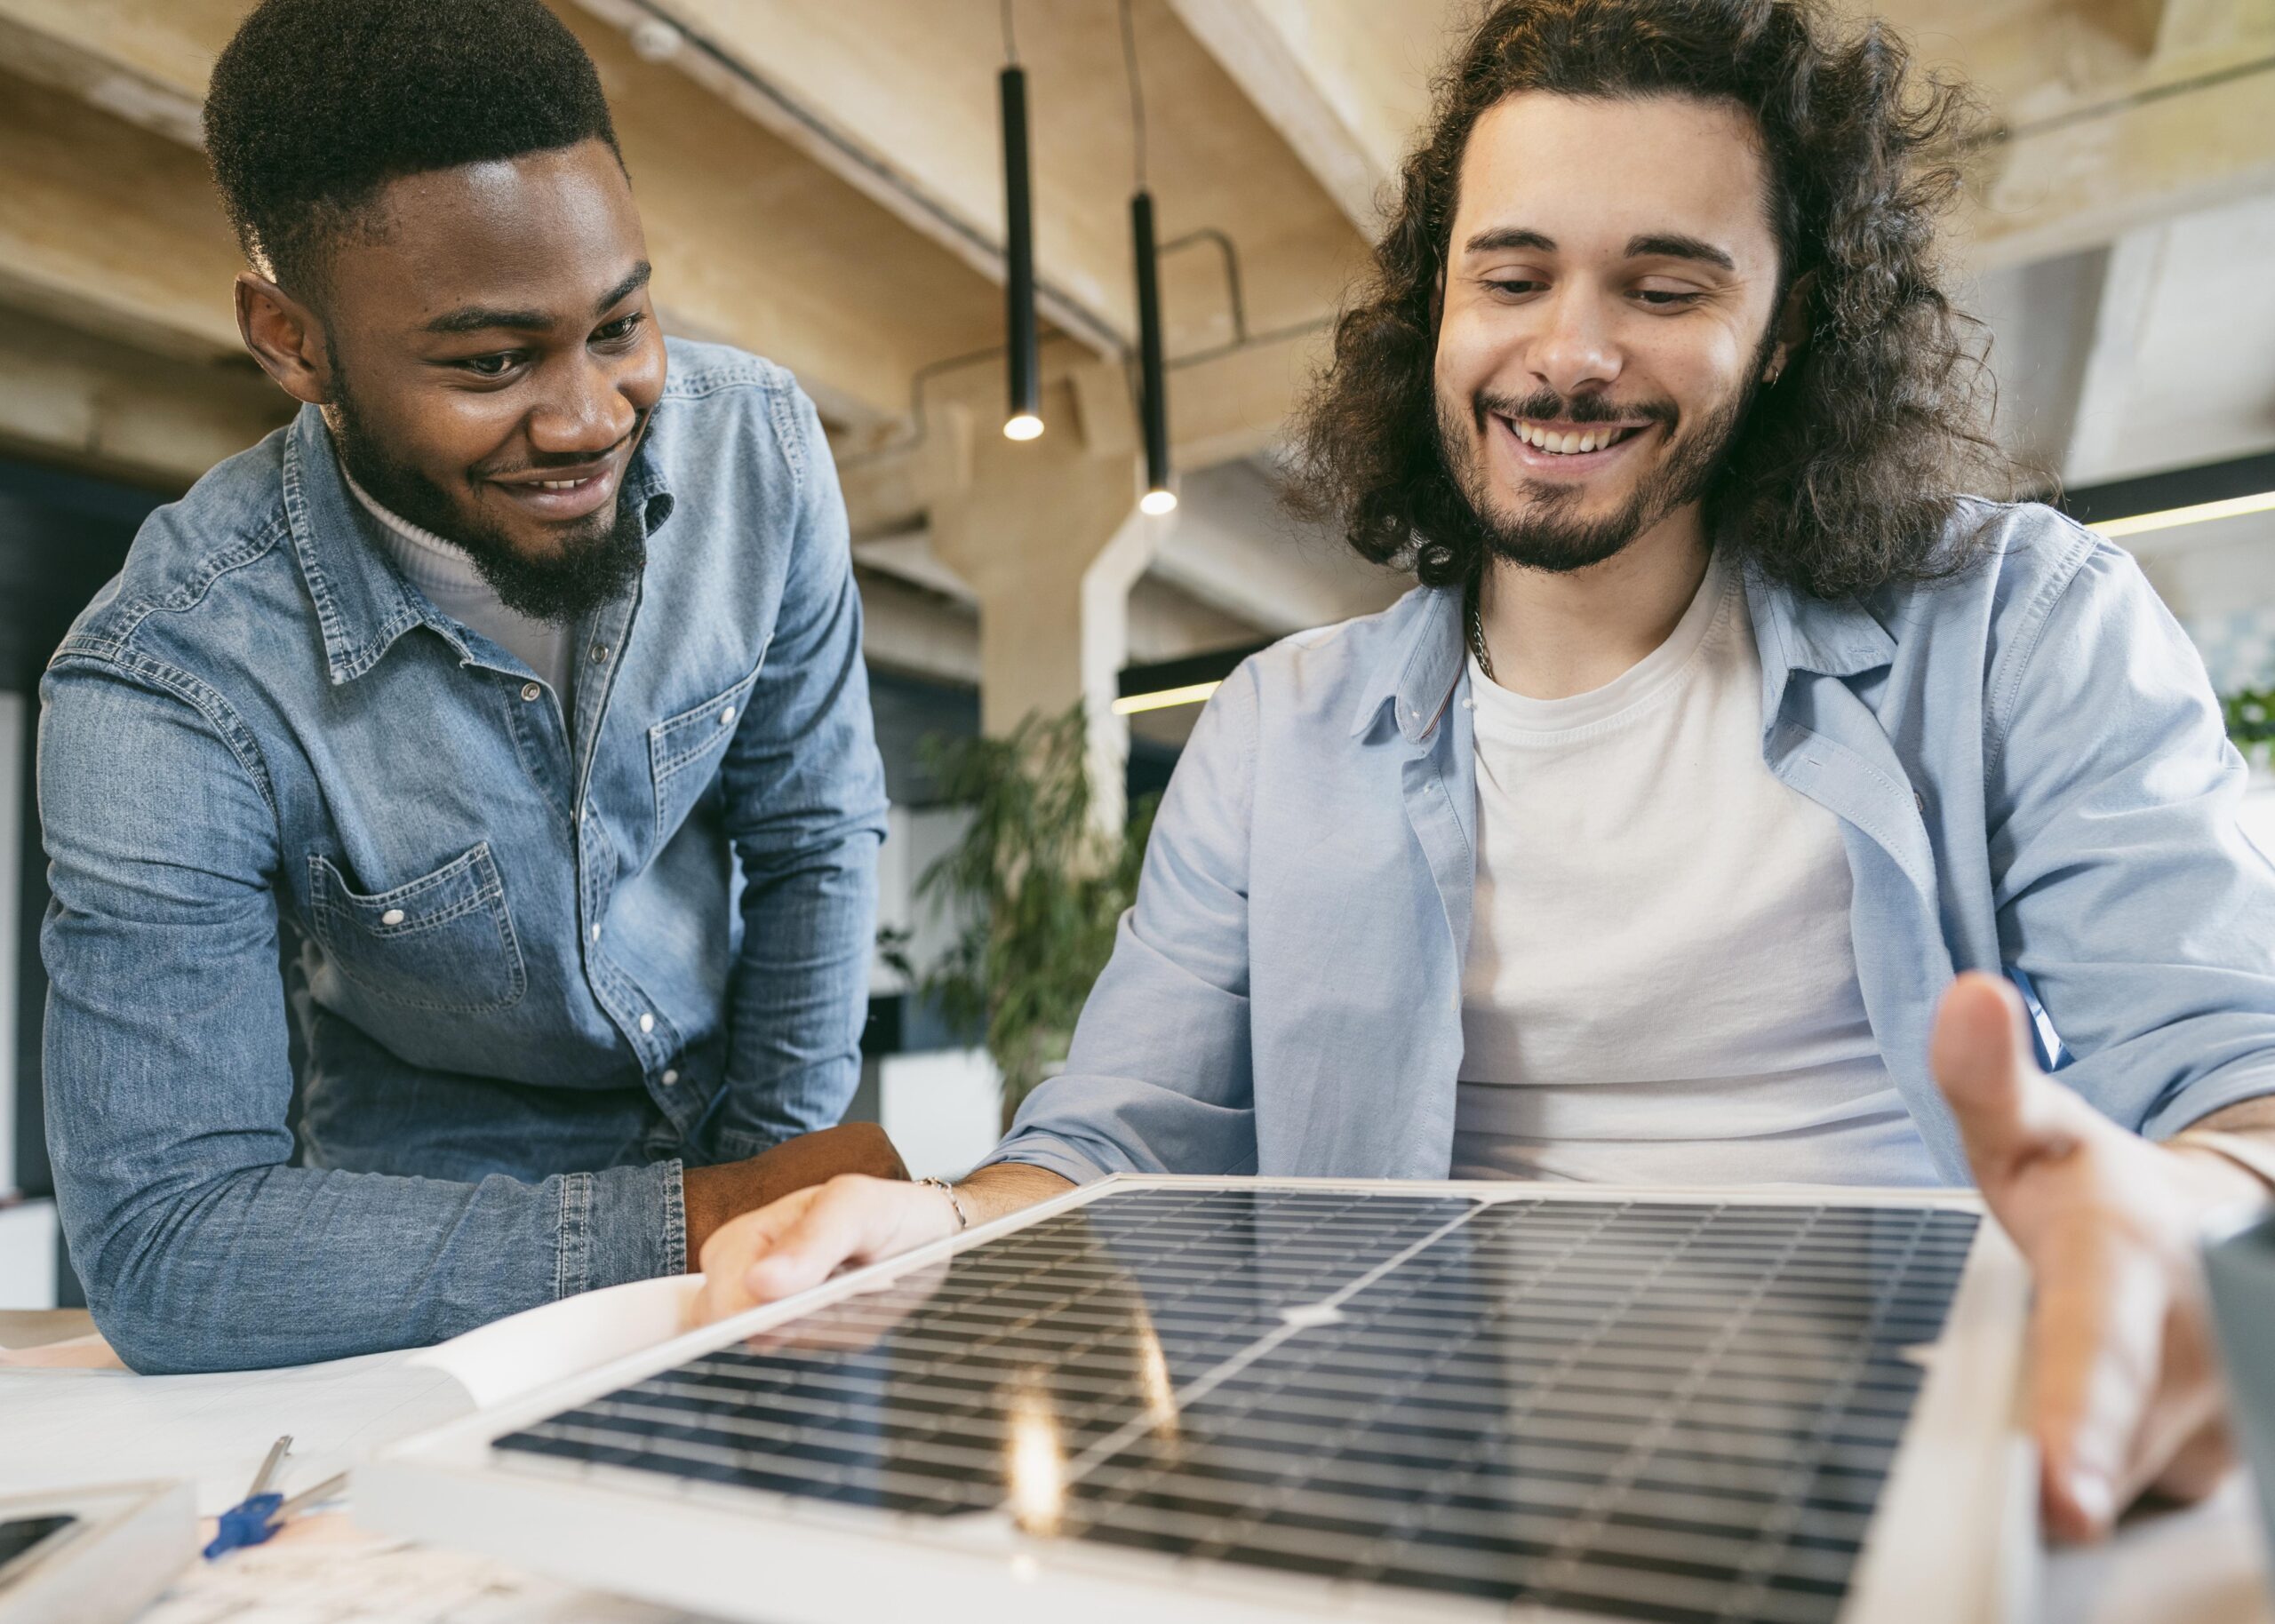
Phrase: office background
pixel 822 182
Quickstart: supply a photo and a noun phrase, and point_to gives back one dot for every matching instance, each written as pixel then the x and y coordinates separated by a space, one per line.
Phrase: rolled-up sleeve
pixel 2128 893
pixel 805 807
pixel 1159 1078
pixel 169 1079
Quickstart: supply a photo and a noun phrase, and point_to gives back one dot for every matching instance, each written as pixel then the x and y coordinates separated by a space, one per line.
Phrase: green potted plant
pixel 2251 723
pixel 1038 887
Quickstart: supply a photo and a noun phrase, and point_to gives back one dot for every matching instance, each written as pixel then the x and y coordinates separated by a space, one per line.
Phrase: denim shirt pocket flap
pixel 696 735
pixel 443 941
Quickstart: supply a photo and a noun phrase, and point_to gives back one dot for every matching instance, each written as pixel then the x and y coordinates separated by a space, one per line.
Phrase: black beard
pixel 1546 537
pixel 598 560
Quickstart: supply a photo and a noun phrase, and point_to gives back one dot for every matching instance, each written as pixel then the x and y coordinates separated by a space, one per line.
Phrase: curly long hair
pixel 1844 474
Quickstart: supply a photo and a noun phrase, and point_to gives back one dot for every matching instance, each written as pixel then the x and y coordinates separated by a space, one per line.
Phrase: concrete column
pixel 1048 534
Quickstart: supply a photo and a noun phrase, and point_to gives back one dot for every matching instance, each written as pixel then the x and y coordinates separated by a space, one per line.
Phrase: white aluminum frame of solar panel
pixel 1952 1535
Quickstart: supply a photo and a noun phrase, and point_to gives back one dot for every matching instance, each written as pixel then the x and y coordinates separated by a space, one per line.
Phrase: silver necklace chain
pixel 1477 638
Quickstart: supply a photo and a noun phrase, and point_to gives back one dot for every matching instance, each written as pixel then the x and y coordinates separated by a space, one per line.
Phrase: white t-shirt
pixel 452 583
pixel 1661 987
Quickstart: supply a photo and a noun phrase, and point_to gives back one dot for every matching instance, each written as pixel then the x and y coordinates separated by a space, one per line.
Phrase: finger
pixel 2006 1111
pixel 734 1243
pixel 840 1225
pixel 2200 1465
pixel 722 1296
pixel 727 1254
pixel 2096 1332
pixel 2183 1447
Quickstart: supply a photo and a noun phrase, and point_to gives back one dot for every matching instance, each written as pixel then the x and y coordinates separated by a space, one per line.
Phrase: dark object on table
pixel 2241 1267
pixel 92 1555
pixel 22 1536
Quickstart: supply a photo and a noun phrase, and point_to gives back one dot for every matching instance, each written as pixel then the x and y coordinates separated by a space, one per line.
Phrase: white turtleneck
pixel 452 584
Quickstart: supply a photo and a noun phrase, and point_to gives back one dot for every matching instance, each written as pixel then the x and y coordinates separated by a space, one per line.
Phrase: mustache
pixel 1547 406
pixel 571 459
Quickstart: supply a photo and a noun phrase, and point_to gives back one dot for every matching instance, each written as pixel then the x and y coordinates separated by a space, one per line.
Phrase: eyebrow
pixel 1501 237
pixel 1674 245
pixel 1651 245
pixel 478 318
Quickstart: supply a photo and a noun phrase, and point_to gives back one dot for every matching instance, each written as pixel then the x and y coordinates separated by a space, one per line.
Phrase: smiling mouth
pixel 1571 439
pixel 564 489
pixel 561 495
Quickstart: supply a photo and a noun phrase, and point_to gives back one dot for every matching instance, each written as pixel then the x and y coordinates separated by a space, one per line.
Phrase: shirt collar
pixel 362 602
pixel 1791 632
pixel 1417 674
pixel 1795 633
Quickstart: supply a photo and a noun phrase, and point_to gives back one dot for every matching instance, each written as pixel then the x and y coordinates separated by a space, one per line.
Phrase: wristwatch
pixel 2253 1154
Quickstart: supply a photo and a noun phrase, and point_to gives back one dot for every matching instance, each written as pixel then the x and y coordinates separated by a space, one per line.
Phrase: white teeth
pixel 1565 445
pixel 559 484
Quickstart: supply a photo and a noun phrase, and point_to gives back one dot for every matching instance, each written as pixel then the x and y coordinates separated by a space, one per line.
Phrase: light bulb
pixel 1027 425
pixel 1158 502
pixel 654 40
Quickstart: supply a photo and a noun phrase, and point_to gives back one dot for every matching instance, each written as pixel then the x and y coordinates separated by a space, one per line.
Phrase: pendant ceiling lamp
pixel 1152 402
pixel 1024 421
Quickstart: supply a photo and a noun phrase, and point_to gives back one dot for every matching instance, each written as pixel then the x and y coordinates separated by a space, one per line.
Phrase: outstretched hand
pixel 2125 1394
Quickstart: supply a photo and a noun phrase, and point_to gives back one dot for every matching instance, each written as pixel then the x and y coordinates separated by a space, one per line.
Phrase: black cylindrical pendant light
pixel 1153 400
pixel 1025 419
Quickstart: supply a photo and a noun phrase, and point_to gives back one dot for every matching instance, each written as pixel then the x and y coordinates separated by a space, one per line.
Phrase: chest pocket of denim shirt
pixel 683 750
pixel 443 943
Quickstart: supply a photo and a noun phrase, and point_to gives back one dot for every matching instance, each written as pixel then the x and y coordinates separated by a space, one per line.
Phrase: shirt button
pixel 393 916
pixel 531 690
pixel 670 1076
pixel 597 933
pixel 647 1024
pixel 600 653
pixel 727 716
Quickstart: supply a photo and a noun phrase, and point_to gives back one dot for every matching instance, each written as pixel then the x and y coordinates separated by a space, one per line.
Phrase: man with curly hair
pixel 521 677
pixel 1642 841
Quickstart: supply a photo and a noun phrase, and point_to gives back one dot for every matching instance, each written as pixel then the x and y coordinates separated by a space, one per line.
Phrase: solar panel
pixel 1486 1401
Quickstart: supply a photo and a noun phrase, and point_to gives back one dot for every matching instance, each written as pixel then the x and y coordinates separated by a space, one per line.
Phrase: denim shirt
pixel 2031 776
pixel 544 959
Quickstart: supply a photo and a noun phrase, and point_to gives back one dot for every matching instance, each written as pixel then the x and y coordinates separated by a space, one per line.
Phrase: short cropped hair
pixel 316 105
pixel 1846 471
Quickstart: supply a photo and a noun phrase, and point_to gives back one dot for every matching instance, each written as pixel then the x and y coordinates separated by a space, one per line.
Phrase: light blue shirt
pixel 2031 776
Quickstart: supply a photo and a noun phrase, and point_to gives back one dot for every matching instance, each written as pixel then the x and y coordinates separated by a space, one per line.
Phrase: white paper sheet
pixel 62 1427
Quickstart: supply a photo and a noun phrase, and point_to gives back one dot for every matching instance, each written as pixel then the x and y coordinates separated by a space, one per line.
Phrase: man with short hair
pixel 1641 843
pixel 523 675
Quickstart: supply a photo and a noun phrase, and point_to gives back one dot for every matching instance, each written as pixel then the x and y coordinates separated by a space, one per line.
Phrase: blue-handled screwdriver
pixel 255 1519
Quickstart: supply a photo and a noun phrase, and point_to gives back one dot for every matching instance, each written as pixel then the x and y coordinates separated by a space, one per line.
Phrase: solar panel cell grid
pixel 1661 1411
